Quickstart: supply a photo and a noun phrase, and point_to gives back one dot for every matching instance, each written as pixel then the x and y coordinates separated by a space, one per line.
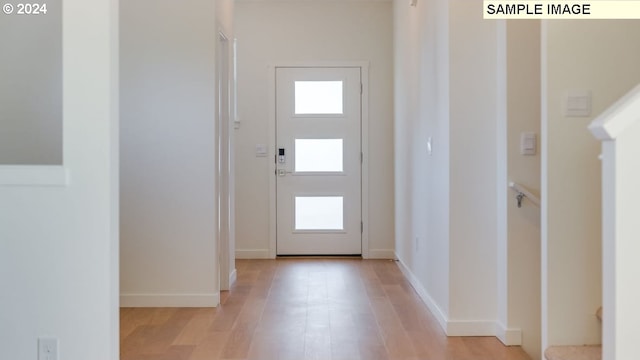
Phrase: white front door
pixel 318 161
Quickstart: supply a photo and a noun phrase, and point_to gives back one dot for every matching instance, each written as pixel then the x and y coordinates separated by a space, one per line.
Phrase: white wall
pixel 275 33
pixel 59 245
pixel 523 245
pixel 31 88
pixel 473 164
pixel 169 211
pixel 600 56
pixel 422 111
pixel 446 89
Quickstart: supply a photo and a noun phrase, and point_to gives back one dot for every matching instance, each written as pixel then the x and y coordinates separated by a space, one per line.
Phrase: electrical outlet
pixel 47 349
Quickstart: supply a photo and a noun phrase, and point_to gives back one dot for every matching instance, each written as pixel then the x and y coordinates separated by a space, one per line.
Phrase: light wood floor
pixel 305 309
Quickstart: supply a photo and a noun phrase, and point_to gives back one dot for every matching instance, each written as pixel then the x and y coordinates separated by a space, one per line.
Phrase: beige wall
pixel 473 76
pixel 31 88
pixel 600 56
pixel 523 234
pixel 276 33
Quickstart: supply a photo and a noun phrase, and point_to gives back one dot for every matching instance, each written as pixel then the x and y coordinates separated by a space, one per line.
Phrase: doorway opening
pixel 224 148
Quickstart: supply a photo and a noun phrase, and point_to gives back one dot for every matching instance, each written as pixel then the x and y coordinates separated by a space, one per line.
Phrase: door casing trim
pixel 364 143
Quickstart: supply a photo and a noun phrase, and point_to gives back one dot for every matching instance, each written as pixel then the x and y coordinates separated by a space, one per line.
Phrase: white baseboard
pixel 169 300
pixel 265 254
pixel 471 328
pixel 233 277
pixel 382 254
pixel 509 337
pixel 253 254
pixel 456 327
pixel 424 295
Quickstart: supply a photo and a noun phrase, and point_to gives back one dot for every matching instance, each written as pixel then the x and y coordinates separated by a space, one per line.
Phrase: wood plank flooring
pixel 298 309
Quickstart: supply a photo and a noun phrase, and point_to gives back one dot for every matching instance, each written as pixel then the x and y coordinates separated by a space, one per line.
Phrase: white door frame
pixel 224 158
pixel 364 135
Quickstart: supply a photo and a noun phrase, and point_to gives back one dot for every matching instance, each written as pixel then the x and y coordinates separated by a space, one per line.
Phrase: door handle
pixel 283 172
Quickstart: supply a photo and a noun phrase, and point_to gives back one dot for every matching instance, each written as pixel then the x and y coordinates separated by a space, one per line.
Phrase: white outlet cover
pixel 47 349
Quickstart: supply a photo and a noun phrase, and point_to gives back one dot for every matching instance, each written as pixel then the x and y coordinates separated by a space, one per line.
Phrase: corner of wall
pixel 424 295
pixel 508 336
pixel 233 276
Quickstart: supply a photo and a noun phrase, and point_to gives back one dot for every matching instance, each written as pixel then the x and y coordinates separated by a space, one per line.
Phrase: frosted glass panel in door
pixel 319 213
pixel 318 181
pixel 318 155
pixel 318 97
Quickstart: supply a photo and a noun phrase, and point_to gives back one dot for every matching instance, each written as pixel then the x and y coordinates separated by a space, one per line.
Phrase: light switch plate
pixel 577 103
pixel 528 143
pixel 261 150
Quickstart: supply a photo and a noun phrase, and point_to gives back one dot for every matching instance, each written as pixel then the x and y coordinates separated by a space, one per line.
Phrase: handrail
pixel 522 193
pixel 618 117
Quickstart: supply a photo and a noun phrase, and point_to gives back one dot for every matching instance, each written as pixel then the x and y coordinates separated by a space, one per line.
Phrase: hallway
pixel 305 309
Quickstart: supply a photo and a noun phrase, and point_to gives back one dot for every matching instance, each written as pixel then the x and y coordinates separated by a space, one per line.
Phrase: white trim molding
pixel 169 300
pixel 424 295
pixel 254 254
pixel 471 328
pixel 461 327
pixel 618 117
pixel 381 254
pixel 509 337
pixel 618 128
